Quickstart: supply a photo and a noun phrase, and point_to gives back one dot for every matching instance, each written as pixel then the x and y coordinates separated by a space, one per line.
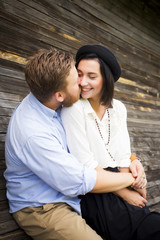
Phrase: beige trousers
pixel 56 221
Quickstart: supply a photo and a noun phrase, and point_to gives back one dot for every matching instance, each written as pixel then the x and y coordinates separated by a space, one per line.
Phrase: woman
pixel 97 135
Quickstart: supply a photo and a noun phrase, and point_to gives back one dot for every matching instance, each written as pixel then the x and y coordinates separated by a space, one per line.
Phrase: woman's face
pixel 90 79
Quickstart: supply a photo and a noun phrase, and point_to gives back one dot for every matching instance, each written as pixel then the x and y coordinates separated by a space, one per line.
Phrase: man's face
pixel 72 92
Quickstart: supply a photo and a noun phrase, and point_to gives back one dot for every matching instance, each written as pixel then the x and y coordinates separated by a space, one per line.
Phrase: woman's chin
pixel 83 96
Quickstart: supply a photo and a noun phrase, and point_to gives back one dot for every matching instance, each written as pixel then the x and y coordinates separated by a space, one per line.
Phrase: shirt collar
pixel 89 110
pixel 87 106
pixel 38 105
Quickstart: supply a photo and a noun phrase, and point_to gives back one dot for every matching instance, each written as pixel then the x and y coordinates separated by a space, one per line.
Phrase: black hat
pixel 105 54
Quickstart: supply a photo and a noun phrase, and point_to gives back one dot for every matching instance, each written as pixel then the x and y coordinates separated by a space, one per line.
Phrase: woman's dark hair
pixel 108 80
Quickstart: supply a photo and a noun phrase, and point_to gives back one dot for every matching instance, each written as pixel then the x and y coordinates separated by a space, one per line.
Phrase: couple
pixel 48 187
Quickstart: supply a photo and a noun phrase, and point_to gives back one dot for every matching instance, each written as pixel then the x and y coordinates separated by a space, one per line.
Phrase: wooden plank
pixel 129 13
pixel 9 96
pixel 6 111
pixel 3 120
pixel 11 65
pixel 8 104
pixel 4 205
pixel 120 25
pixel 100 22
pixel 5 216
pixel 155 207
pixel 2 154
pixel 137 92
pixel 15 235
pixel 25 35
pixel 138 101
pixel 125 85
pixel 118 22
pixel 36 27
pixel 8 226
pixel 2 183
pixel 36 18
pixel 136 61
pixel 152 193
pixel 3 195
pixel 13 86
pixel 12 73
pixel 3 129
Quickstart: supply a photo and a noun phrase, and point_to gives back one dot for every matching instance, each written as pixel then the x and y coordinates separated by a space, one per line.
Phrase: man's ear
pixel 59 96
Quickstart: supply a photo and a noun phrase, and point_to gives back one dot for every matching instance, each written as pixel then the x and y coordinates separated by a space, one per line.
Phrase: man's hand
pixel 137 171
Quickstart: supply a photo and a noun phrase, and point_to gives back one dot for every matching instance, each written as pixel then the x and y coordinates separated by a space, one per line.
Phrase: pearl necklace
pixel 109 135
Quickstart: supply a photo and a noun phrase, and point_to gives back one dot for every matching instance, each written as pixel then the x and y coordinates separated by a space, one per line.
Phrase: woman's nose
pixel 83 81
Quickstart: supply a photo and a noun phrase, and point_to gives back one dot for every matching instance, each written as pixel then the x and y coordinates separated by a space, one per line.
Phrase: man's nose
pixel 79 81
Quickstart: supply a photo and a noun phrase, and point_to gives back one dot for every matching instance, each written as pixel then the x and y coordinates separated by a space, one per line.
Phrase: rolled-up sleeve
pixel 46 158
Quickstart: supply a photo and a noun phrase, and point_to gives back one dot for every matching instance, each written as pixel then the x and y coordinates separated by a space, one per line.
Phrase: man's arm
pixel 110 181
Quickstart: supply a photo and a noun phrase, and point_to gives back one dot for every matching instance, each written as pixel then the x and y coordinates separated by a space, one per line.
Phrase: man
pixel 43 178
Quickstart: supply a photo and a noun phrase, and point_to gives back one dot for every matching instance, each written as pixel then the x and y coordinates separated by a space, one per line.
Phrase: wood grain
pixel 129 28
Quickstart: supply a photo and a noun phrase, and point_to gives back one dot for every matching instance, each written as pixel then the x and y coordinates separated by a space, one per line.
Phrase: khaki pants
pixel 56 221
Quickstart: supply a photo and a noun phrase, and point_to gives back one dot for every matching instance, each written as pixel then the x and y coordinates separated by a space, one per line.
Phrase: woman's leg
pixel 149 228
pixel 114 218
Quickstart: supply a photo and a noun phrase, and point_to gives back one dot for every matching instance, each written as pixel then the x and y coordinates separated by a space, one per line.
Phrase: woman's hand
pixel 135 198
pixel 137 171
pixel 141 191
pixel 132 197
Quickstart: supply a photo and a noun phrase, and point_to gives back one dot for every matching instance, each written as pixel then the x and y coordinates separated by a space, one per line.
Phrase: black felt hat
pixel 105 54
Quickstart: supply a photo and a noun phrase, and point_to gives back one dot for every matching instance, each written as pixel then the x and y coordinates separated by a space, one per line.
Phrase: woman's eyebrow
pixel 92 73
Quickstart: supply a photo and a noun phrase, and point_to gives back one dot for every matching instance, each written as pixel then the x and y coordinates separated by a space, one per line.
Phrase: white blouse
pixel 84 139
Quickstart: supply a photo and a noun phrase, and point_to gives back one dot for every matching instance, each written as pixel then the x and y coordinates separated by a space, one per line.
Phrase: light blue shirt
pixel 40 169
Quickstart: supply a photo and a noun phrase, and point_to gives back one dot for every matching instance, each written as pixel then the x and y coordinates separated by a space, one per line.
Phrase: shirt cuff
pixel 90 178
pixel 92 164
pixel 125 163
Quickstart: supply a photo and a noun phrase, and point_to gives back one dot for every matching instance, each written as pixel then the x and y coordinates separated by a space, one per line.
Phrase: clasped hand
pixel 138 173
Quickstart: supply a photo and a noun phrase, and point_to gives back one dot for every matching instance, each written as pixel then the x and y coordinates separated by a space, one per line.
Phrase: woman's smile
pixel 90 79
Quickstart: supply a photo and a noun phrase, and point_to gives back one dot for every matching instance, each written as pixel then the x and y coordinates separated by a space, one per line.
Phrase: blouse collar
pixel 89 110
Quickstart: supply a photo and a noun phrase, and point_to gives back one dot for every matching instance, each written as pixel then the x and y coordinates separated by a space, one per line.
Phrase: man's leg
pixel 56 221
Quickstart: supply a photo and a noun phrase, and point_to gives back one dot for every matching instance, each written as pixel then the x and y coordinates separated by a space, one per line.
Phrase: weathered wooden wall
pixel 130 28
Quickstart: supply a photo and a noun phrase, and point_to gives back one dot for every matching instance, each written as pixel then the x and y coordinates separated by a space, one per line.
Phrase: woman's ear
pixel 59 96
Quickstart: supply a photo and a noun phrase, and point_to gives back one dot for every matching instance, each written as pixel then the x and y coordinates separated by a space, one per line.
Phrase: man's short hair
pixel 46 72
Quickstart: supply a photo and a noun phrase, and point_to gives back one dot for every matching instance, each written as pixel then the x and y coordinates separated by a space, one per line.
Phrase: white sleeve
pixel 123 139
pixel 73 120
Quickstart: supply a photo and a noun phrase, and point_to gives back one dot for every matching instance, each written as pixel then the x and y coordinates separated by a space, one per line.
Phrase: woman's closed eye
pixel 92 76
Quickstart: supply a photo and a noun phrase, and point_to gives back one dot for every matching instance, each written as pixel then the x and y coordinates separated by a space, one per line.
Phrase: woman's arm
pixel 132 197
pixel 122 136
pixel 124 150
